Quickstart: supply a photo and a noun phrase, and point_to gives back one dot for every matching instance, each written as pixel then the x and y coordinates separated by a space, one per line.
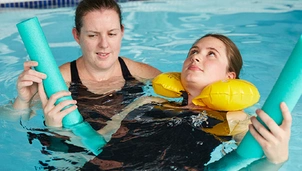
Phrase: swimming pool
pixel 159 33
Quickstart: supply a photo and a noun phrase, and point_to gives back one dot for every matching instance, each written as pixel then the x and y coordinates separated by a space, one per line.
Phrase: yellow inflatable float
pixel 228 95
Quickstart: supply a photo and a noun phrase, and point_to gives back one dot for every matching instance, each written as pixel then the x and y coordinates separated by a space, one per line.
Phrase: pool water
pixel 158 33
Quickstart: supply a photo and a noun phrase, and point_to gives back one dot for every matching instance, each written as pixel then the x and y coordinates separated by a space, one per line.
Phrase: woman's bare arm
pixel 115 122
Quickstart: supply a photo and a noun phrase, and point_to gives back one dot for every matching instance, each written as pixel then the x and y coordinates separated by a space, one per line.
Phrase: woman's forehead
pixel 210 42
pixel 101 19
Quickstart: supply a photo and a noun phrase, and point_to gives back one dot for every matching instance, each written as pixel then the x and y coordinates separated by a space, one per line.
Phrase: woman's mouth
pixel 102 55
pixel 194 68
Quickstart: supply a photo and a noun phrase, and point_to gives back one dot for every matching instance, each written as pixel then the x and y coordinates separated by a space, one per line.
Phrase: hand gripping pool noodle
pixel 38 50
pixel 287 89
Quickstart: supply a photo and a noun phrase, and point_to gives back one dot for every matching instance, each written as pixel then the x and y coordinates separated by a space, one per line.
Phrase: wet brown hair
pixel 87 6
pixel 233 54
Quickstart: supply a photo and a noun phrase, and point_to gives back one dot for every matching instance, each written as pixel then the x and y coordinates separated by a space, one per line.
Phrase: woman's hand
pixel 54 114
pixel 27 85
pixel 275 141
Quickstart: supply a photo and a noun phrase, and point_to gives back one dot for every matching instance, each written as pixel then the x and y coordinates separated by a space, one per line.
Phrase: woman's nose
pixel 195 58
pixel 103 42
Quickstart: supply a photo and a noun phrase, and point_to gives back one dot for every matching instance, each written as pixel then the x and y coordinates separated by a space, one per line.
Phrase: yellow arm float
pixel 229 95
pixel 168 84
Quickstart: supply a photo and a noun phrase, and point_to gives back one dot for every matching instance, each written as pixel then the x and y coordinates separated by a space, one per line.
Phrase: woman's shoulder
pixel 65 71
pixel 142 70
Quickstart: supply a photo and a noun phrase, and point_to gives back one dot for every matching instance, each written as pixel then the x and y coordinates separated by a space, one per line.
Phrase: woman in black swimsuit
pixel 99 31
pixel 97 109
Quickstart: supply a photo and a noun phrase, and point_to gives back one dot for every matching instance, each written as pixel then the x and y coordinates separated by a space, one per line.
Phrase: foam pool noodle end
pixel 288 89
pixel 38 49
pixel 91 139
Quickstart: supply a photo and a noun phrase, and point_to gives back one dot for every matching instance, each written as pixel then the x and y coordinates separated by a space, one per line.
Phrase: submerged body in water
pixel 151 137
pixel 154 138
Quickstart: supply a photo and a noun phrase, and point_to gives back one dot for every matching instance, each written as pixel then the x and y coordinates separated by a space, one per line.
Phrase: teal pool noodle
pixel 90 138
pixel 288 88
pixel 38 49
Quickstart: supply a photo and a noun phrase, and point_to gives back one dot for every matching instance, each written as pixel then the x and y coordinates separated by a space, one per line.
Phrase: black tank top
pixel 75 74
pixel 97 109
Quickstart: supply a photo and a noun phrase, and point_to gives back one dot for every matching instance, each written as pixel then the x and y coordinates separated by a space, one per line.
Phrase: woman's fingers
pixel 258 131
pixel 42 94
pixel 273 139
pixel 32 75
pixel 287 117
pixel 274 130
pixel 55 113
pixel 29 64
pixel 27 87
pixel 62 106
pixel 53 99
pixel 26 81
pixel 268 132
pixel 55 116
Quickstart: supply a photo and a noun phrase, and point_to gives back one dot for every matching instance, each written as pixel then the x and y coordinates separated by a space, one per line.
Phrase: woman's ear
pixel 231 75
pixel 122 29
pixel 76 35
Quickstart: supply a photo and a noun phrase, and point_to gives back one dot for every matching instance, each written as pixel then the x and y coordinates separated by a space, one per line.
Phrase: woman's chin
pixel 194 78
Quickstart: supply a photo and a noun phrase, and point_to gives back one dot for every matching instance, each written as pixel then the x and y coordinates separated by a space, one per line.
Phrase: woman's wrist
pixel 279 161
pixel 53 128
pixel 20 104
pixel 8 112
pixel 264 164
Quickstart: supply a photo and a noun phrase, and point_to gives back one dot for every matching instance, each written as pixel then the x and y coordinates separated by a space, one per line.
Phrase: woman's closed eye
pixel 92 35
pixel 112 34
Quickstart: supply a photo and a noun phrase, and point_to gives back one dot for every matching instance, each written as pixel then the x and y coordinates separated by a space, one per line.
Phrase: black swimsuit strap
pixel 126 73
pixel 74 72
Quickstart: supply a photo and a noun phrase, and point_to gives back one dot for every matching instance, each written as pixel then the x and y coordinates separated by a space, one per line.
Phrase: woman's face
pixel 206 63
pixel 100 38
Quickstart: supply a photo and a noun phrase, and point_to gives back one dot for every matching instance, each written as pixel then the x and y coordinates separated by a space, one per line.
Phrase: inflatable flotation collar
pixel 228 95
